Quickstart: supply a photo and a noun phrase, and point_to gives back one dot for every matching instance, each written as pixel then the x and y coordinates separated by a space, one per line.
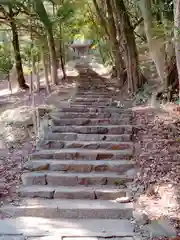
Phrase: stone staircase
pixel 84 167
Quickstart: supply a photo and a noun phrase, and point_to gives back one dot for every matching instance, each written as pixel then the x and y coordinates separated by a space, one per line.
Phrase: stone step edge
pixel 93 109
pixel 70 209
pixel 61 178
pixel 101 154
pixel 28 227
pixel 93 142
pixel 52 151
pixel 102 126
pixel 84 162
pixel 76 192
pixel 65 144
pixel 117 166
pixel 70 133
pixel 55 118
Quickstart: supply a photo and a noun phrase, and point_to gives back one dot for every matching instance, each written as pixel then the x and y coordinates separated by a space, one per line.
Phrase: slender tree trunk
pixel 156 46
pixel 177 36
pixel 9 83
pixel 61 53
pixel 15 42
pixel 52 51
pixel 35 74
pixel 130 50
pixel 45 71
pixel 38 74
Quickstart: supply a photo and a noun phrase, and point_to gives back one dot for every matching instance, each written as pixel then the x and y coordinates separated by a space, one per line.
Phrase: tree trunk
pixel 119 64
pixel 101 17
pixel 177 37
pixel 45 71
pixel 156 46
pixel 38 74
pixel 52 51
pixel 61 53
pixel 130 50
pixel 15 42
pixel 9 83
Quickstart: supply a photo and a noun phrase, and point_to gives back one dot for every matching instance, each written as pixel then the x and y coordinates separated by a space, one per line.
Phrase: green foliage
pixel 42 14
pixel 29 52
pixel 5 59
pixel 65 11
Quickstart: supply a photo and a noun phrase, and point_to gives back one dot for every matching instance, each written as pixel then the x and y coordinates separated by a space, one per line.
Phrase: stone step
pixel 88 137
pixel 108 145
pixel 55 178
pixel 98 98
pixel 90 105
pixel 46 228
pixel 91 129
pixel 93 109
pixel 89 121
pixel 80 154
pixel 95 90
pixel 95 93
pixel 92 100
pixel 70 209
pixel 65 115
pixel 80 192
pixel 118 166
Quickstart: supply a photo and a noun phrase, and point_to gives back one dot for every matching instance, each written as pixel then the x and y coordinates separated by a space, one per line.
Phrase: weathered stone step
pixel 80 192
pixel 80 154
pixel 93 109
pixel 118 166
pixel 97 129
pixel 72 179
pixel 95 92
pixel 92 100
pixel 90 105
pixel 74 209
pixel 22 227
pixel 90 121
pixel 88 137
pixel 54 144
pixel 65 115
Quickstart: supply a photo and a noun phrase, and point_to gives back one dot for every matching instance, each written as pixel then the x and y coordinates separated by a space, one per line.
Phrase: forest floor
pixel 157 184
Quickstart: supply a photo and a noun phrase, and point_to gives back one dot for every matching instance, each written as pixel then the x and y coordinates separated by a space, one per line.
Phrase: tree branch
pixel 4 12
pixel 138 22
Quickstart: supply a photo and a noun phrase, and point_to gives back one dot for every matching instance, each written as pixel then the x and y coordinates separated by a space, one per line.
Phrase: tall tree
pixel 44 18
pixel 177 36
pixel 129 47
pixel 9 16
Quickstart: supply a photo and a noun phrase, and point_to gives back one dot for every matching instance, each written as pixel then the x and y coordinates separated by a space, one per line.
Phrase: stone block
pixel 36 192
pixel 56 178
pixel 92 180
pixel 74 194
pixel 33 178
pixel 80 168
pixel 36 166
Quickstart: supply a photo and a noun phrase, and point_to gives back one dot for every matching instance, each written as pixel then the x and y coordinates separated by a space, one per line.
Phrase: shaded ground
pixel 157 185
